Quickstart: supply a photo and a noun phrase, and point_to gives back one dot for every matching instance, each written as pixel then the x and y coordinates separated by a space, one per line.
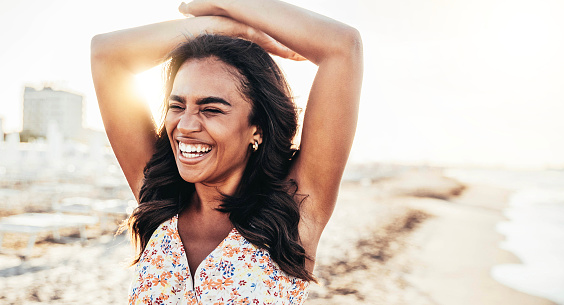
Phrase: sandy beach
pixel 412 238
pixel 453 252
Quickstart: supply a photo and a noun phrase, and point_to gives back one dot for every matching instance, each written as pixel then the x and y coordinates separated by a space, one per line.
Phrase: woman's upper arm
pixel 329 124
pixel 127 118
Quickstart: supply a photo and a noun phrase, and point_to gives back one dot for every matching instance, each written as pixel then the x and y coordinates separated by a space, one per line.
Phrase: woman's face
pixel 208 123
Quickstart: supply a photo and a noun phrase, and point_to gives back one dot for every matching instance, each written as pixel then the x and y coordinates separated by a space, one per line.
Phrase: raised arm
pixel 118 56
pixel 332 109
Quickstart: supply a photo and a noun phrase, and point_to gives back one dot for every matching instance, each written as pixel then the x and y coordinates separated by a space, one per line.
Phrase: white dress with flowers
pixel 236 272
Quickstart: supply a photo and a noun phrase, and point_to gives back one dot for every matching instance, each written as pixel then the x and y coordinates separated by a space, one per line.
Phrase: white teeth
pixel 193 150
pixel 191 155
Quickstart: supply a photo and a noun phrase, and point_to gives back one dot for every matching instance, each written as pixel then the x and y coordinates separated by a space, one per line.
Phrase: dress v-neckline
pixel 191 276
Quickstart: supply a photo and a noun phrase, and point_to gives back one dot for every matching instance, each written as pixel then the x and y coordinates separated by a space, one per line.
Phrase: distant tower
pixel 45 106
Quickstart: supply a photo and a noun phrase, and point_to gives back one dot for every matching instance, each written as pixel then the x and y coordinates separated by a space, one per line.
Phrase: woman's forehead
pixel 207 76
pixel 211 65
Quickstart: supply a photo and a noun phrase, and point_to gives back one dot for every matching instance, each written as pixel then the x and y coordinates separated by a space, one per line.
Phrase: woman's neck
pixel 207 198
pixel 203 214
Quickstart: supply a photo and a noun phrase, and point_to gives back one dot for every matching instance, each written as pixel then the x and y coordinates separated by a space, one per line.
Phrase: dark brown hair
pixel 263 208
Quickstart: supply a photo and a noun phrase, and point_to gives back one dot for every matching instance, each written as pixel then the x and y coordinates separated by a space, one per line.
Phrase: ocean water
pixel 534 230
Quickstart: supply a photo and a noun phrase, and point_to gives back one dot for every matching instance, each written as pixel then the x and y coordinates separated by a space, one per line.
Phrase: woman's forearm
pixel 138 49
pixel 314 36
pixel 141 48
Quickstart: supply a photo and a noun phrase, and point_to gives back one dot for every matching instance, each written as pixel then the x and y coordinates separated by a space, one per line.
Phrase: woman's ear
pixel 257 134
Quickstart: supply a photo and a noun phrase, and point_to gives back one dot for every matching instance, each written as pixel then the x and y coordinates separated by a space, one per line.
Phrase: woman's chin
pixel 191 177
pixel 191 169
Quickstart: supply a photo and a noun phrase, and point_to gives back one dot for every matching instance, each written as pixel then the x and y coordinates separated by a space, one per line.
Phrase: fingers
pixel 286 52
pixel 295 56
pixel 184 10
pixel 200 8
pixel 271 45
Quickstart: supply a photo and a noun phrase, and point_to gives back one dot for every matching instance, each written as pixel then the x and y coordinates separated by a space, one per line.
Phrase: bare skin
pixel 329 123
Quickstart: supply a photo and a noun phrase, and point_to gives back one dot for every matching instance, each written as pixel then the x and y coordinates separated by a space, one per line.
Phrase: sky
pixel 447 82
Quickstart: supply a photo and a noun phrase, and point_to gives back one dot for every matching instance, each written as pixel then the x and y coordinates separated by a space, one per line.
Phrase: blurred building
pixel 46 107
pixel 1 130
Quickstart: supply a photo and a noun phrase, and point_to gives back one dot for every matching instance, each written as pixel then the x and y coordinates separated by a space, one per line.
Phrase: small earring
pixel 255 145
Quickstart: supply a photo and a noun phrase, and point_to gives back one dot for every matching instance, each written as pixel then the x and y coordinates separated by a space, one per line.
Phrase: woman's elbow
pixel 346 45
pixel 96 46
pixel 100 47
pixel 351 41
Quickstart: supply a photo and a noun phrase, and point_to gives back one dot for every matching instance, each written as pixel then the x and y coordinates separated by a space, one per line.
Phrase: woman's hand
pixel 202 8
pixel 219 23
pixel 270 44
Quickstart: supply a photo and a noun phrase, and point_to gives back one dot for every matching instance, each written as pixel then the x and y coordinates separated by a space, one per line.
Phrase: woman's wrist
pixel 226 7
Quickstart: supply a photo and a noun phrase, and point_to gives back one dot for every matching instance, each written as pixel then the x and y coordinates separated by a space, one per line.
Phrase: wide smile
pixel 194 151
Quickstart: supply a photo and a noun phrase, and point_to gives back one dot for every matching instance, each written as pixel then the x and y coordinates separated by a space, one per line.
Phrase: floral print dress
pixel 236 272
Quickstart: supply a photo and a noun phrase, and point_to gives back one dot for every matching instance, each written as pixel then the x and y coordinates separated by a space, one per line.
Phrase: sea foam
pixel 534 230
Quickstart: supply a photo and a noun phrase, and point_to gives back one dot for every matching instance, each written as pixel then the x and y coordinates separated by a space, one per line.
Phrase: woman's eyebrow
pixel 212 100
pixel 202 101
pixel 177 98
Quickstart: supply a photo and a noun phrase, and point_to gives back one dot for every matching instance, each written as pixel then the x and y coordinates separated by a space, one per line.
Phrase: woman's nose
pixel 189 123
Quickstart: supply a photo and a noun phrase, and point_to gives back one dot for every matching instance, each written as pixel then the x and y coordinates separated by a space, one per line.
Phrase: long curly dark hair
pixel 265 207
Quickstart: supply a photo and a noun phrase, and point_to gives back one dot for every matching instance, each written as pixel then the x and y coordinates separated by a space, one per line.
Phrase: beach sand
pixel 454 252
pixel 428 240
pixel 416 238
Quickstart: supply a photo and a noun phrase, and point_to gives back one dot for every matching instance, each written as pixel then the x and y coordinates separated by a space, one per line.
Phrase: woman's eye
pixel 175 107
pixel 211 111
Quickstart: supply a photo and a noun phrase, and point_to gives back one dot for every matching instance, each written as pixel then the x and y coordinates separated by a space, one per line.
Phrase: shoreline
pixel 457 250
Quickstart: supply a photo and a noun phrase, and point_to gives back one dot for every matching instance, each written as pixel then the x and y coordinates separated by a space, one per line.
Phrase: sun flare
pixel 150 85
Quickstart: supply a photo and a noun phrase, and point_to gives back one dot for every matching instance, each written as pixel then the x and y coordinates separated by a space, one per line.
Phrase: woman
pixel 228 211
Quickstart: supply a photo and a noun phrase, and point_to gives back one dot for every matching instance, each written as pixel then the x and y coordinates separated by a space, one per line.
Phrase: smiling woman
pixel 228 210
pixel 206 108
